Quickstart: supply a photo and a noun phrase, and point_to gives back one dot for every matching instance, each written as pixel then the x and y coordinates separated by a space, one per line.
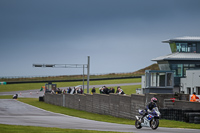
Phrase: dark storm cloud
pixel 48 16
pixel 111 31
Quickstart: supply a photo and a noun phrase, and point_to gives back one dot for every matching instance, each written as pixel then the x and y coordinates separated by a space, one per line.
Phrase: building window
pixel 192 65
pixel 181 47
pixel 188 90
pixel 192 47
pixel 162 79
pixel 180 69
pixel 157 80
pixel 147 79
pixel 153 79
pixel 186 47
pixel 197 65
pixel 169 79
pixel 198 91
pixel 185 67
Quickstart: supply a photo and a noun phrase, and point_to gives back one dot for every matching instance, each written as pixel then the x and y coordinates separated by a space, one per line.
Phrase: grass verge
pixel 178 124
pixel 6 97
pixel 32 129
pixel 76 113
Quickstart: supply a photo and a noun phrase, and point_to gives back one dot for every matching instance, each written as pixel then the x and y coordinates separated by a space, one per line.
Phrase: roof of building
pixel 179 56
pixel 183 39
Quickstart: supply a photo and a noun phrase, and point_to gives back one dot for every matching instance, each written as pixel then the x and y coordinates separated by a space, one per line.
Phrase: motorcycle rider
pixel 15 96
pixel 150 106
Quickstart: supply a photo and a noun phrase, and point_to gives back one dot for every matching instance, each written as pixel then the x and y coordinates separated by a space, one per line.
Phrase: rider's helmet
pixel 154 100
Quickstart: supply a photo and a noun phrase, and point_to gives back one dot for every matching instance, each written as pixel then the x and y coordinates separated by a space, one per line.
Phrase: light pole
pixel 71 66
pixel 88 74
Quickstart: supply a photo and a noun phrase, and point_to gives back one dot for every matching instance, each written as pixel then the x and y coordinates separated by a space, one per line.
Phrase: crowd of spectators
pixel 70 90
pixel 105 90
pixel 79 90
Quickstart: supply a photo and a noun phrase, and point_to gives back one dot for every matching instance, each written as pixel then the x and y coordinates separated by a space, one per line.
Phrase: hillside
pixel 72 77
pixel 142 71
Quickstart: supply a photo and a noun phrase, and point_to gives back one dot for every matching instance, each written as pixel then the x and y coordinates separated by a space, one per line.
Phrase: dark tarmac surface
pixel 13 112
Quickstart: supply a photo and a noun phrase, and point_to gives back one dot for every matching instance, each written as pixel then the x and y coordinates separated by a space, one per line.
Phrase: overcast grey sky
pixel 118 35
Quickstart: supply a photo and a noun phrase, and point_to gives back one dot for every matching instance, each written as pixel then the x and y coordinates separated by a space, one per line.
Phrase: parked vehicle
pixel 149 120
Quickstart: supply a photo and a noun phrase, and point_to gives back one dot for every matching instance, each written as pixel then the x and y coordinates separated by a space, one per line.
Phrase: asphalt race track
pixel 14 112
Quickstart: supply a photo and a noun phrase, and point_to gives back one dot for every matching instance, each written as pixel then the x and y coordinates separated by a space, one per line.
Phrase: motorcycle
pixel 150 120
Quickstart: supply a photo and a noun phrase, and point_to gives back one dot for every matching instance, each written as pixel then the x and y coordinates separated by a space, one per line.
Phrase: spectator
pixel 117 89
pixel 64 91
pixel 120 91
pixel 194 98
pixel 69 90
pixel 81 91
pixel 93 90
pixel 77 90
pixel 112 90
pixel 58 91
pixel 101 90
pixel 41 89
pixel 105 90
pixel 72 91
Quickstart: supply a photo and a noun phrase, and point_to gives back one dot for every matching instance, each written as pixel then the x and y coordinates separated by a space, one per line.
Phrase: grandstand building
pixel 185 55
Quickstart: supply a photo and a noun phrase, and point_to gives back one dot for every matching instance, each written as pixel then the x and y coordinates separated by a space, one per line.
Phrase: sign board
pixel 2 83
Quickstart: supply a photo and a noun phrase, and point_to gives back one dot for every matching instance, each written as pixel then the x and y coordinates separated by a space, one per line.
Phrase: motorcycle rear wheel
pixel 154 123
pixel 138 124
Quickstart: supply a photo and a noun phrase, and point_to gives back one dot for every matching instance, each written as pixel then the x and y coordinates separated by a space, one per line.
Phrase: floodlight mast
pixel 71 66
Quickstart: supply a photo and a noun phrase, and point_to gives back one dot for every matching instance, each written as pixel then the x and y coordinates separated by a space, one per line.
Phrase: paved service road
pixel 17 113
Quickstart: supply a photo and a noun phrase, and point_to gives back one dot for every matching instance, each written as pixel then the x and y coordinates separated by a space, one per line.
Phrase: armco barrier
pixel 123 106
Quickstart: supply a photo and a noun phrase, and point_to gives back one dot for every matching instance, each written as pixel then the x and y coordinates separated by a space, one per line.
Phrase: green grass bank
pixel 32 129
pixel 31 86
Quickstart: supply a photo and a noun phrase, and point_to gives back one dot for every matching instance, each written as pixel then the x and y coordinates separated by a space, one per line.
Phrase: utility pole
pixel 88 74
pixel 83 79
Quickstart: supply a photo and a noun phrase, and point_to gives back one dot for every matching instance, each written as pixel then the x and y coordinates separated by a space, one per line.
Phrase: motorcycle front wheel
pixel 138 124
pixel 154 123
